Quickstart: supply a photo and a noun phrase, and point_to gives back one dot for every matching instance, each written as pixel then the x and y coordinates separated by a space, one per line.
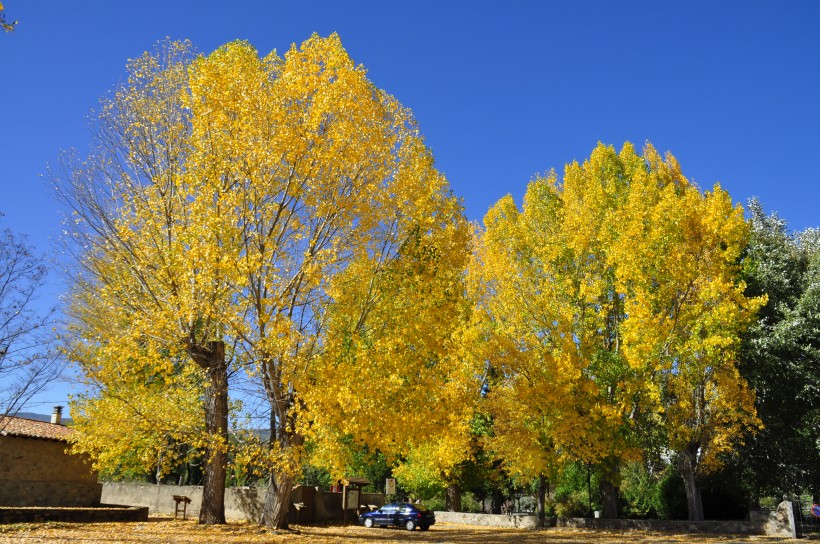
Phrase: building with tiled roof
pixel 36 468
pixel 31 428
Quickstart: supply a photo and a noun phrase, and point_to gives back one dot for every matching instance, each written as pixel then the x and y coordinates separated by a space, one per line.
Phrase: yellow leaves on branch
pixel 286 206
pixel 611 295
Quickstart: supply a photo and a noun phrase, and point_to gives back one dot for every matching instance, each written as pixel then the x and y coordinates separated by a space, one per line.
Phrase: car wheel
pixel 424 527
pixel 410 525
pixel 368 522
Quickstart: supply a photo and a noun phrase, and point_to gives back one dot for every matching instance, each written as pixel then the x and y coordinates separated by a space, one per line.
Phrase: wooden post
pixel 344 504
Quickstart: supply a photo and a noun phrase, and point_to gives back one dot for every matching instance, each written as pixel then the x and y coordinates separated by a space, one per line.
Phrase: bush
pixel 572 505
pixel 469 503
pixel 723 496
pixel 572 491
pixel 639 489
pixel 436 503
pixel 670 497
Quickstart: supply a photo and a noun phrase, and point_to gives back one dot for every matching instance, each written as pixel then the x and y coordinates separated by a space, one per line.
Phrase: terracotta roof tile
pixel 19 426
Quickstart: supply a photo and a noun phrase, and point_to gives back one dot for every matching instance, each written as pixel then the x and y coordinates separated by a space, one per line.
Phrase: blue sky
pixel 502 91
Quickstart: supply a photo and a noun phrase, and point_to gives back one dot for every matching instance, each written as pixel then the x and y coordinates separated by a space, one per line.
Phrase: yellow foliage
pixel 290 208
pixel 613 294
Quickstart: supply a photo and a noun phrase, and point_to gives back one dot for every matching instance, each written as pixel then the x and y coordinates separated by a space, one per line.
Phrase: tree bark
pixel 277 501
pixel 541 499
pixel 609 497
pixel 453 499
pixel 212 510
pixel 688 465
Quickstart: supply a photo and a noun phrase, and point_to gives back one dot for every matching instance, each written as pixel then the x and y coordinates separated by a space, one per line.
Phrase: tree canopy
pixel 613 297
pixel 288 210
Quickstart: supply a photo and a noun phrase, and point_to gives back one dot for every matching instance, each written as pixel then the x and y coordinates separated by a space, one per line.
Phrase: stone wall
pixel 103 513
pixel 246 504
pixel 38 472
pixel 778 522
pixel 241 503
pixel 518 521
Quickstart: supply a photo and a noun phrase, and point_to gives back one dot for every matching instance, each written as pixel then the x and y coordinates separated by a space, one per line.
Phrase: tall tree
pixel 147 233
pixel 27 362
pixel 555 310
pixel 273 205
pixel 678 258
pixel 344 230
pixel 608 289
pixel 780 357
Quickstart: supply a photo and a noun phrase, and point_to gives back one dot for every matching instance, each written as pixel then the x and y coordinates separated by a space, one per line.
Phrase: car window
pixel 388 509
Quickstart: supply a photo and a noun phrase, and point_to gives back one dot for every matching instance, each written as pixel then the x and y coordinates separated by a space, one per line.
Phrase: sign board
pixel 352 499
pixel 390 486
pixel 815 510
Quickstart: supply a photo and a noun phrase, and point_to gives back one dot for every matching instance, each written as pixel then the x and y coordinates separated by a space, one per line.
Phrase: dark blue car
pixel 400 514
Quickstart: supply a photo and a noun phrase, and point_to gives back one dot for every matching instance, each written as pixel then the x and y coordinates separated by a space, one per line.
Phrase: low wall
pixel 778 522
pixel 101 514
pixel 518 521
pixel 241 503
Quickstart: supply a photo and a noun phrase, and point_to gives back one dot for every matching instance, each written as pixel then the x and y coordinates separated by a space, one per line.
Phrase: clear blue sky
pixel 502 90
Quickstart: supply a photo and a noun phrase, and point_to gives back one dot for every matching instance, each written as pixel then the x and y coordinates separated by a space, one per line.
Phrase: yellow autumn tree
pixel 346 231
pixel 149 288
pixel 588 335
pixel 678 258
pixel 562 390
pixel 286 208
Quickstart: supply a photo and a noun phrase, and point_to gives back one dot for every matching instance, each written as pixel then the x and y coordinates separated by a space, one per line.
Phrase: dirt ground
pixel 160 530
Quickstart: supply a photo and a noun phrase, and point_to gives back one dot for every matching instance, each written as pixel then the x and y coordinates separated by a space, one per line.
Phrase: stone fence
pixel 103 513
pixel 308 504
pixel 517 521
pixel 778 522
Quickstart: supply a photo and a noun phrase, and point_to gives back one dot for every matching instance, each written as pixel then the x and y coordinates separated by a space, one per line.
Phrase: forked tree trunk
pixel 277 501
pixel 212 361
pixel 453 499
pixel 688 465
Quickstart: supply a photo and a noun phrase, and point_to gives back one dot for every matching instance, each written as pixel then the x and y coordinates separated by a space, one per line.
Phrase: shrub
pixel 670 497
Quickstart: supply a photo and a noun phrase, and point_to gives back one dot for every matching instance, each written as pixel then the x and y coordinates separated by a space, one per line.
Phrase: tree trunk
pixel 542 501
pixel 215 463
pixel 453 499
pixel 277 501
pixel 497 499
pixel 609 497
pixel 688 465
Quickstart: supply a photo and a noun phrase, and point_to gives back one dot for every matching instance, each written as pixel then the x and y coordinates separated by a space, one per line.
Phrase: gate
pixel 806 518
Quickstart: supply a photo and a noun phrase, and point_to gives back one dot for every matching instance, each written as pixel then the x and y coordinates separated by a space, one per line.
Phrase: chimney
pixel 57 415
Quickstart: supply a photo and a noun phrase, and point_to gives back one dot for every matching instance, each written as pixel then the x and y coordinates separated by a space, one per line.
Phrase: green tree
pixel 781 357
